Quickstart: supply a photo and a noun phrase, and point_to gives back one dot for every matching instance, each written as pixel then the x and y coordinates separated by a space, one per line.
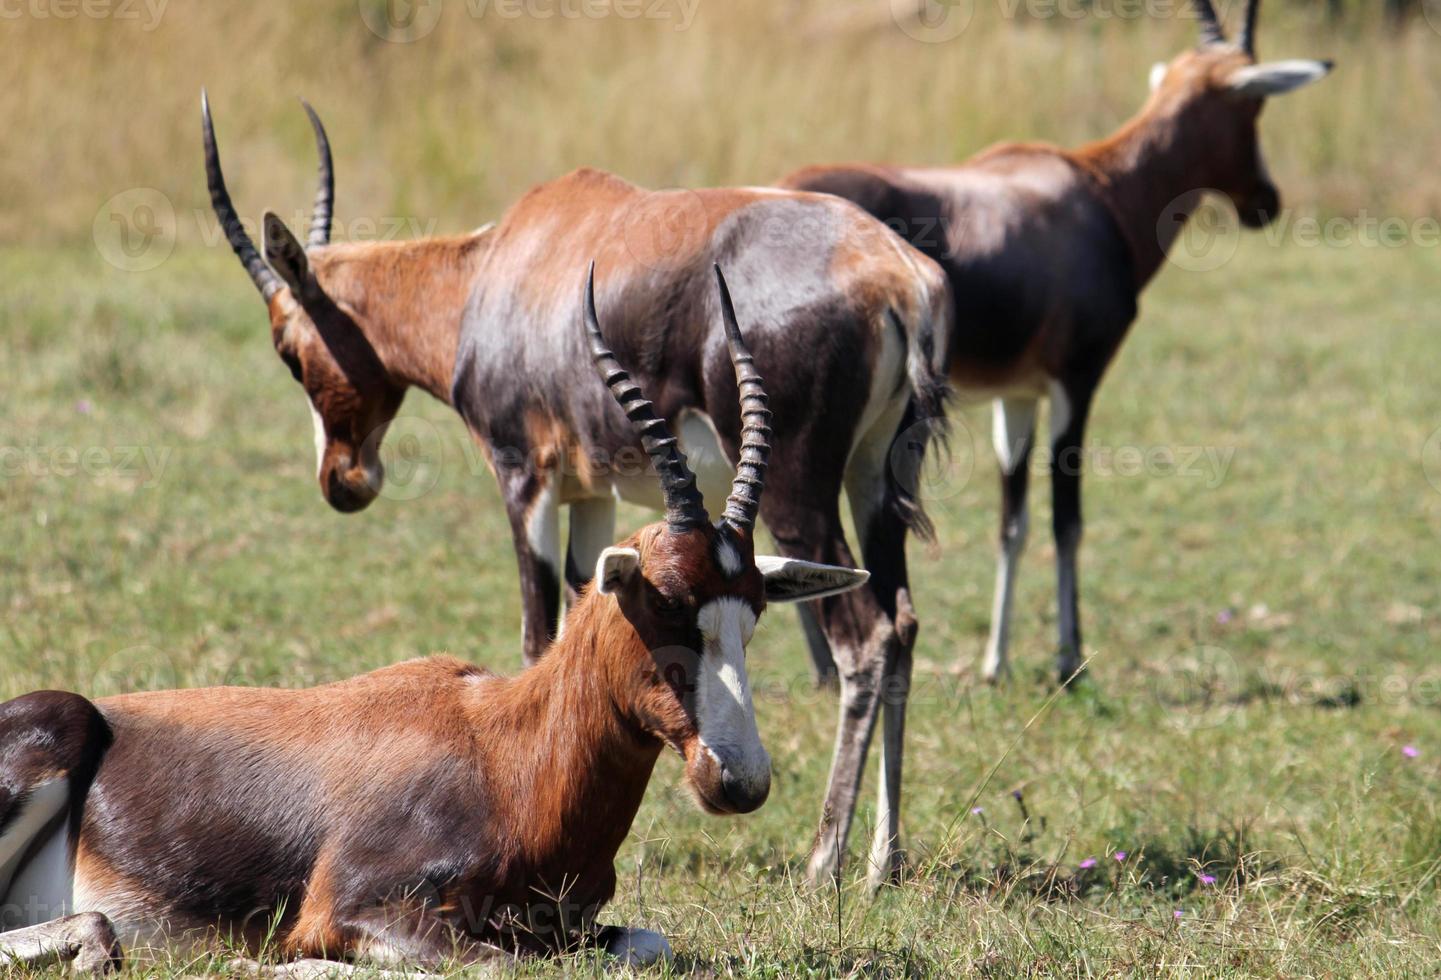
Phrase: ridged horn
pixel 325 185
pixel 261 274
pixel 684 508
pixel 1211 32
pixel 1247 40
pixel 750 479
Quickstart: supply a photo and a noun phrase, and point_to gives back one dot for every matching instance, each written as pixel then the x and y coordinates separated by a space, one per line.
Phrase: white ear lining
pixel 792 580
pixel 614 568
pixel 1276 77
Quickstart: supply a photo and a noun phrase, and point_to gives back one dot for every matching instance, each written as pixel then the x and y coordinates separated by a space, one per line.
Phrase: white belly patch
pixel 707 459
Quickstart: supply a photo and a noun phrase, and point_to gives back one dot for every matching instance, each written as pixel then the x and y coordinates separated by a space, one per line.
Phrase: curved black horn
pixel 750 478
pixel 325 189
pixel 1211 32
pixel 265 280
pixel 684 508
pixel 1247 40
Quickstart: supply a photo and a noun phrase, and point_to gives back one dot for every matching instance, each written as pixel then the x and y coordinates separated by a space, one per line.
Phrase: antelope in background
pixel 1047 251
pixel 849 321
pixel 425 813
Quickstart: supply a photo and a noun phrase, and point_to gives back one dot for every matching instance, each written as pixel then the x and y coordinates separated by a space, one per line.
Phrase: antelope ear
pixel 614 568
pixel 790 580
pixel 1158 75
pixel 1276 77
pixel 287 257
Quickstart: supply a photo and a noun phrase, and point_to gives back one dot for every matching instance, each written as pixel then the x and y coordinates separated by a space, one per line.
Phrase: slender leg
pixel 1070 406
pixel 823 665
pixel 858 632
pixel 592 530
pixel 1013 435
pixel 87 942
pixel 883 547
pixel 533 506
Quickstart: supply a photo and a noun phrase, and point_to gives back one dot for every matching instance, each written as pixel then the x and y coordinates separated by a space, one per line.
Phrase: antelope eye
pixel 668 603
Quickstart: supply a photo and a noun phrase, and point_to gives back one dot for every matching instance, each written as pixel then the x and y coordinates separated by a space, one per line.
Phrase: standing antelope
pixel 427 812
pixel 1047 250
pixel 849 321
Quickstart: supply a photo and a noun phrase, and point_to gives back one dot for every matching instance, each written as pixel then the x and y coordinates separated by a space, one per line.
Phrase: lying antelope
pixel 425 813
pixel 849 321
pixel 1047 250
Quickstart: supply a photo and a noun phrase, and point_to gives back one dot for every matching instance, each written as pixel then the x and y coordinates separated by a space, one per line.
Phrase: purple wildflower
pixel 1225 616
pixel 1088 864
pixel 1206 879
pixel 1176 914
pixel 978 810
pixel 83 406
pixel 1120 855
pixel 1410 751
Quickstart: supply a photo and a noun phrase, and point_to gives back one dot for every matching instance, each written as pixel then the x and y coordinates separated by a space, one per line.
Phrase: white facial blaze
pixel 724 709
pixel 319 424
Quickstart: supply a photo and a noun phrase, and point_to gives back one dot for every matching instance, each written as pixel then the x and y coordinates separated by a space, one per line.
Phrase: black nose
pixel 745 795
pixel 343 497
pixel 1261 207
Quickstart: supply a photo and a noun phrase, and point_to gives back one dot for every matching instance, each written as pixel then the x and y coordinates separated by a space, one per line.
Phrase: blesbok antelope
pixel 849 322
pixel 1047 251
pixel 427 812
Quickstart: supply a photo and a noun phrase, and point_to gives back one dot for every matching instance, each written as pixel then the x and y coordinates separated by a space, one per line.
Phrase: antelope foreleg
pixel 87 942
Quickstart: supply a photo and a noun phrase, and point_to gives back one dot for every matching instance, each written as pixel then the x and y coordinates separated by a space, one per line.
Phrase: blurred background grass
pixel 450 128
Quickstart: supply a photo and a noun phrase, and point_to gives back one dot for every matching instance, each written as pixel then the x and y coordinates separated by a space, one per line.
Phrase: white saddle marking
pixel 43 889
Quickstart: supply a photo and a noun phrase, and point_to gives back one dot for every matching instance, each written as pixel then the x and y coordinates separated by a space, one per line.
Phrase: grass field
pixel 1263 625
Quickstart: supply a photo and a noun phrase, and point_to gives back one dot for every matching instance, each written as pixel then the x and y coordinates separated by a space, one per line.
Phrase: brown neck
pixel 1149 169
pixel 577 762
pixel 408 298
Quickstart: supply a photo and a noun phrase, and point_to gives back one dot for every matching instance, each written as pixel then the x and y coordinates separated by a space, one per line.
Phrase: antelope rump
pixel 425 813
pixel 849 321
pixel 1047 251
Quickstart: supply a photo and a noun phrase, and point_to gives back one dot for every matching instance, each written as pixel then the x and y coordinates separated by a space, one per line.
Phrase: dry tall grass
pixel 445 131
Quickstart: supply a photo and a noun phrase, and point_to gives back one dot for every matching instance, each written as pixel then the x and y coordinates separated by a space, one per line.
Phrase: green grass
pixel 1264 750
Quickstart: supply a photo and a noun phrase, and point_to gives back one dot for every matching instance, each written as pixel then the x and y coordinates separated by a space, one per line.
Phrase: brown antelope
pixel 428 812
pixel 849 321
pixel 1047 250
